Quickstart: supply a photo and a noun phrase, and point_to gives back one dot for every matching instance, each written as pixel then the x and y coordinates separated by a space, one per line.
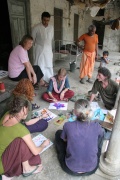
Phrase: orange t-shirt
pixel 90 42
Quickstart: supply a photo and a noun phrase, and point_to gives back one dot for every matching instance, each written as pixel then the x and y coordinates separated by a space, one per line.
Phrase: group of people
pixel 78 145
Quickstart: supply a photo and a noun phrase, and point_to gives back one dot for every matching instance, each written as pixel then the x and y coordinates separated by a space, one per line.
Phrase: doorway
pixel 15 24
pixel 100 29
pixel 5 35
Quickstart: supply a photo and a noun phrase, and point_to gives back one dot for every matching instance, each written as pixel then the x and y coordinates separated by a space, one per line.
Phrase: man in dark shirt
pixel 107 88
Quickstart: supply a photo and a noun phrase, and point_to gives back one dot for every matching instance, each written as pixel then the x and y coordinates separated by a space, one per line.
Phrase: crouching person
pixel 58 88
pixel 18 153
pixel 79 144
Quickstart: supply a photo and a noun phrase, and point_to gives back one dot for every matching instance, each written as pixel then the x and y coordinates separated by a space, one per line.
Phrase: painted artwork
pixel 58 106
pixel 38 140
pixel 44 111
pixel 60 120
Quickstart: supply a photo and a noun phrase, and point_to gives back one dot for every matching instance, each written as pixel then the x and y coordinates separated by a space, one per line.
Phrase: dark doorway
pixel 100 29
pixel 5 35
pixel 58 22
pixel 76 23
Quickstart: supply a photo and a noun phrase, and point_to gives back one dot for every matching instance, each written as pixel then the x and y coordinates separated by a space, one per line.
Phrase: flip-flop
pixel 35 106
pixel 30 173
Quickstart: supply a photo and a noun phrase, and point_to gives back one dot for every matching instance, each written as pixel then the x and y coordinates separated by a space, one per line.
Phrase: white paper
pixel 104 111
pixel 94 106
pixel 58 106
pixel 50 114
pixel 38 140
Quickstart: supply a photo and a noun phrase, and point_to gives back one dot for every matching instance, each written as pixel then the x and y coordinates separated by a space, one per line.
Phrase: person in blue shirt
pixel 58 88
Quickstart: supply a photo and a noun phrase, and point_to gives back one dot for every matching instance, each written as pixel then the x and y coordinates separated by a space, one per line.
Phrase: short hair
pixel 24 88
pixel 91 27
pixel 24 39
pixel 82 107
pixel 45 14
pixel 62 71
pixel 105 53
pixel 105 72
pixel 16 104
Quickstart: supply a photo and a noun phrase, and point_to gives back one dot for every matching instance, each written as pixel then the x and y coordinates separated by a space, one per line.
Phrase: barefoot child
pixel 104 60
pixel 58 88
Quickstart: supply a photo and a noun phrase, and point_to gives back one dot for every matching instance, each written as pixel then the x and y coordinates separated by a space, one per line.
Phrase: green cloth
pixel 107 94
pixel 7 135
pixel 7 108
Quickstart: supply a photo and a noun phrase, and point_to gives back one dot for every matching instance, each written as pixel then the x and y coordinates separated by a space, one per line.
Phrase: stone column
pixel 117 98
pixel 110 161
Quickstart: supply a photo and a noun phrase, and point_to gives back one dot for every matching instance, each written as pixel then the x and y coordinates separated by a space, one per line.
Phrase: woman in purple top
pixel 79 143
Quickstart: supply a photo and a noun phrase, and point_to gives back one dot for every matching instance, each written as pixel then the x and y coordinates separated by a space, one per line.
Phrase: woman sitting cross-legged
pixel 58 88
pixel 79 144
pixel 25 89
pixel 18 153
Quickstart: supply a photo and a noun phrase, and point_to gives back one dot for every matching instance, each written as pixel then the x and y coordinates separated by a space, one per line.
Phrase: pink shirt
pixel 15 63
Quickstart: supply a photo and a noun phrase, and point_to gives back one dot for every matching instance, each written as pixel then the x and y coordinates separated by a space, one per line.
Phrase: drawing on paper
pixel 38 140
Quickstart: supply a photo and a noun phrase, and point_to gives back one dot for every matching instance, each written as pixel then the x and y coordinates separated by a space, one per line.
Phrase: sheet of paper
pixel 94 106
pixel 38 140
pixel 58 105
pixel 43 111
pixel 104 111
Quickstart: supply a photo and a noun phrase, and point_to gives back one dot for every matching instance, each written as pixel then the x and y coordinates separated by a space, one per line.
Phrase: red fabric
pixel 69 94
pixel 16 153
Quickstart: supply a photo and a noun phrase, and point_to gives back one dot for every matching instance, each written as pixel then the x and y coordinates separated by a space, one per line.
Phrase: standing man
pixel 90 51
pixel 42 50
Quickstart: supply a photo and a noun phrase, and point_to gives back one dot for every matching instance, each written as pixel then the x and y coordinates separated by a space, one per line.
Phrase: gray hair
pixel 82 109
pixel 91 27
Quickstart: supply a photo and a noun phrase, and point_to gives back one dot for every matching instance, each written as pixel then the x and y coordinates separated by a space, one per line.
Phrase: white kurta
pixel 42 49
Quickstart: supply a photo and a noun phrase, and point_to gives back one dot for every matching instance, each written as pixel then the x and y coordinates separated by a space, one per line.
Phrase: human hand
pixel 45 115
pixel 46 143
pixel 62 95
pixel 34 79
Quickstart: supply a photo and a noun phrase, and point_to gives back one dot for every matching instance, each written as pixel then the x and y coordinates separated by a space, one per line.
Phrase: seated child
pixel 79 144
pixel 104 60
pixel 58 88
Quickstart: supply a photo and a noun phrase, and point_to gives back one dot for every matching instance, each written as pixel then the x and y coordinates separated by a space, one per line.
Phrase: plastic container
pixel 72 66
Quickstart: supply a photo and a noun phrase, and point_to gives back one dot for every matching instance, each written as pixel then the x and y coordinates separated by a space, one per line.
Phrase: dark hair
pixel 16 104
pixel 24 39
pixel 105 72
pixel 105 53
pixel 45 14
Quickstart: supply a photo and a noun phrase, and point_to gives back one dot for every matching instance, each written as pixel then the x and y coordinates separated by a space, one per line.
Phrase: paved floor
pixel 52 169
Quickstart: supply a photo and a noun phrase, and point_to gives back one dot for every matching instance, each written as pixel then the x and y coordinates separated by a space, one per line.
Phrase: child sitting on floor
pixel 58 88
pixel 104 60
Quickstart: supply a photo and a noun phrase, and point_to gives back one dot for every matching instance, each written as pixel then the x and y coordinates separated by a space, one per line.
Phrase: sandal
pixel 35 171
pixel 35 106
pixel 36 86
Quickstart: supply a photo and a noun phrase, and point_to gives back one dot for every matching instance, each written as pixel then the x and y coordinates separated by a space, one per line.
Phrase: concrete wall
pixel 111 38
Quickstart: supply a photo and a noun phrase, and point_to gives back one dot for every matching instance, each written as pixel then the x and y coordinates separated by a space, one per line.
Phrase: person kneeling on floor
pixel 58 88
pixel 106 87
pixel 79 144
pixel 18 153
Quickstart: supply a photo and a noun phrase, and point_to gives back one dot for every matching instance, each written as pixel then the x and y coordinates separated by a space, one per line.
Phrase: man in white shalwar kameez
pixel 42 49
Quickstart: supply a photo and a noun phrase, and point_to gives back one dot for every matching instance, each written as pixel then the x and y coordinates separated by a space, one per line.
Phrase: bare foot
pixel 33 170
pixel 6 178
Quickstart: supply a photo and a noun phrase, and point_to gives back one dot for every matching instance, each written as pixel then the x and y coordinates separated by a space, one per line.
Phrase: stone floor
pixel 51 168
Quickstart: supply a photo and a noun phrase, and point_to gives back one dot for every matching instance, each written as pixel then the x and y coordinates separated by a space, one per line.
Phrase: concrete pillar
pixel 110 161
pixel 117 98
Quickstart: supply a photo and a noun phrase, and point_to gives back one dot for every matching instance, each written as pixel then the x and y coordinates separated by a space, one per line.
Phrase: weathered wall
pixel 111 38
